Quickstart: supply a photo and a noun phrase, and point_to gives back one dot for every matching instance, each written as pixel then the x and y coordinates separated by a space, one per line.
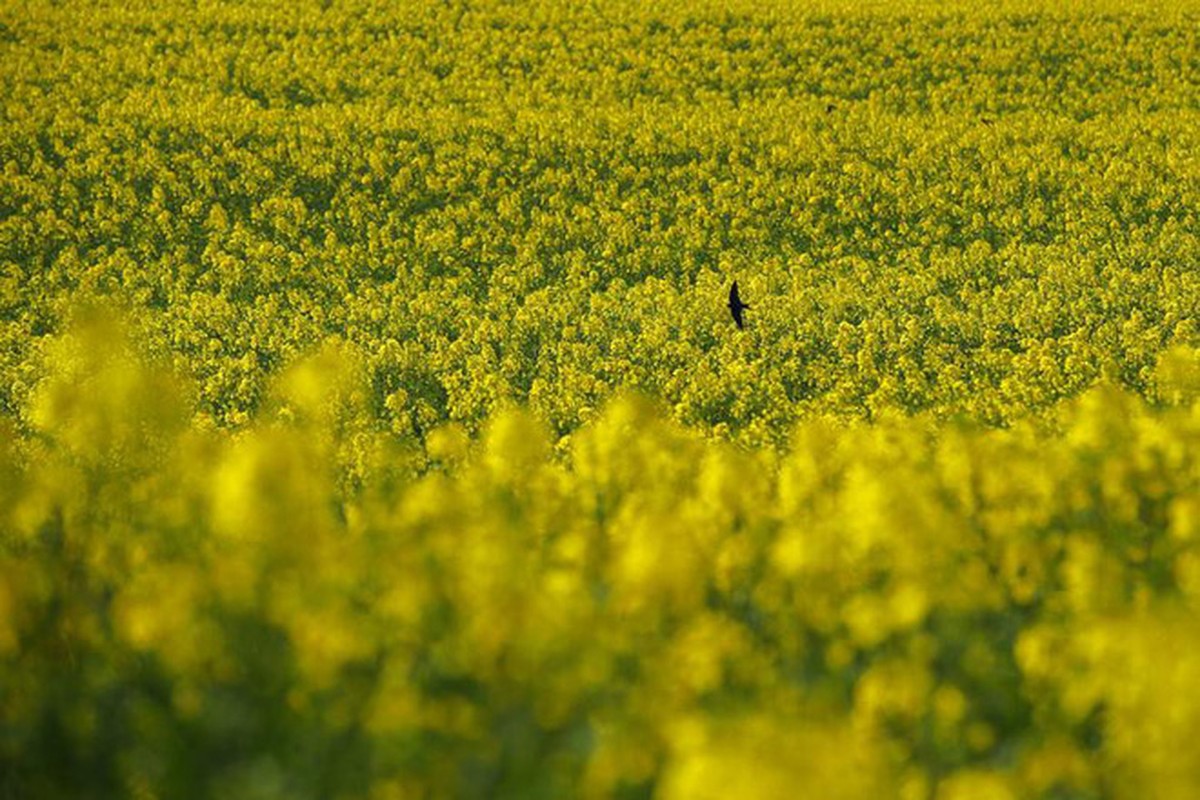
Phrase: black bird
pixel 736 305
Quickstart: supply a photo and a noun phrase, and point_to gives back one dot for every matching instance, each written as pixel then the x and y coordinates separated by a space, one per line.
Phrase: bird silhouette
pixel 736 305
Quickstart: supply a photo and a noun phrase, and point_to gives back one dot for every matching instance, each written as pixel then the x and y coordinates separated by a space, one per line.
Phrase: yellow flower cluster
pixel 911 607
pixel 425 460
pixel 937 207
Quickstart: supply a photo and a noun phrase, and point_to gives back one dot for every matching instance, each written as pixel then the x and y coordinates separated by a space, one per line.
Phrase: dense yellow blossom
pixel 650 610
pixel 372 426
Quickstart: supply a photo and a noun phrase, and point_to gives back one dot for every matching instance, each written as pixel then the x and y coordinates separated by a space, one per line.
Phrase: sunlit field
pixel 373 425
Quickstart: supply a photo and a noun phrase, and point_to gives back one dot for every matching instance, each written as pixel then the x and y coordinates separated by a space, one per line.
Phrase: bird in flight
pixel 736 305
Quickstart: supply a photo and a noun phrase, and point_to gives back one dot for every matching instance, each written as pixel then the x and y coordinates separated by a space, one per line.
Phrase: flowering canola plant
pixel 371 423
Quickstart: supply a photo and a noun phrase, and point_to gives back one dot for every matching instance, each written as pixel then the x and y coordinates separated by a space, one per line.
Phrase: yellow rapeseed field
pixel 372 424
